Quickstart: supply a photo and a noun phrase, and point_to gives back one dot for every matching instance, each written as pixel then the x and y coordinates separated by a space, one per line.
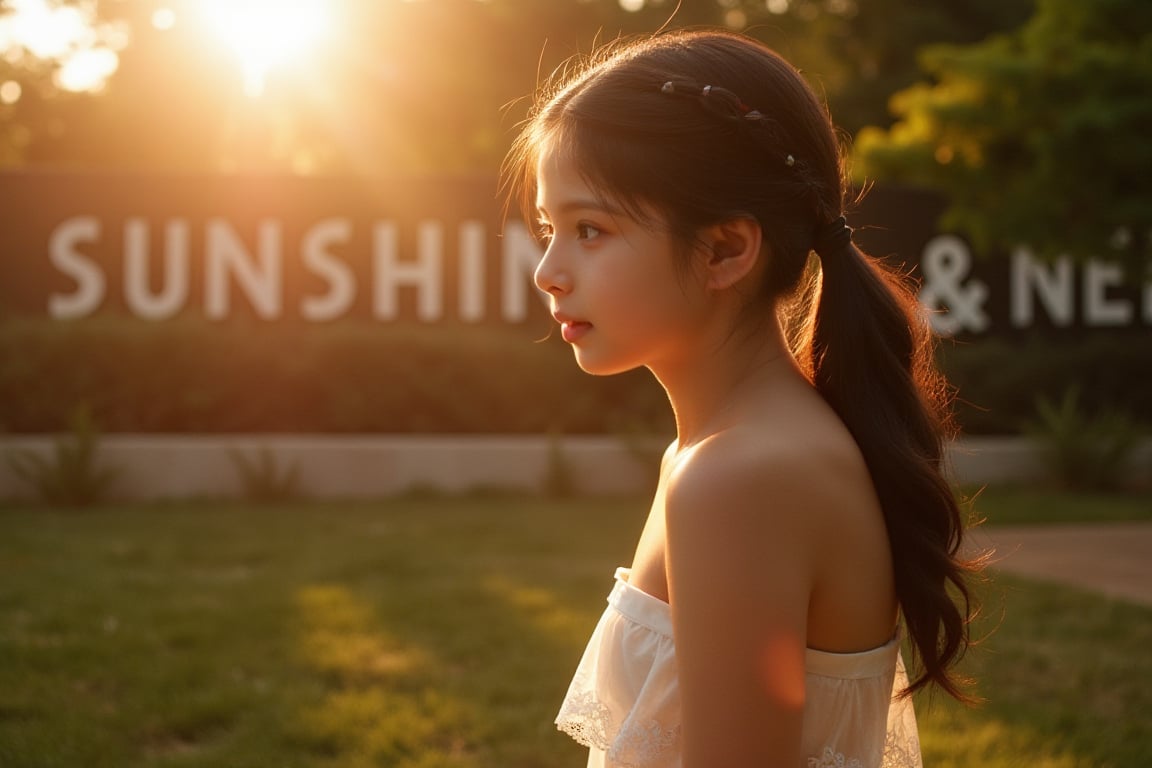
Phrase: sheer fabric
pixel 623 703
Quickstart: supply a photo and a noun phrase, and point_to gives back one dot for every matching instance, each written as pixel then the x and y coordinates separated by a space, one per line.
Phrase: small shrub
pixel 263 480
pixel 1085 452
pixel 72 475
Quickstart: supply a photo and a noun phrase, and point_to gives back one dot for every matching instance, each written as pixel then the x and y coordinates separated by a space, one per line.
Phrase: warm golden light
pixel 46 31
pixel 10 92
pixel 268 33
pixel 83 48
pixel 164 18
pixel 87 70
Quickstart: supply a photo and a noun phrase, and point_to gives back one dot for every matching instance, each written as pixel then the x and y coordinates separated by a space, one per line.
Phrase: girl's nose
pixel 549 277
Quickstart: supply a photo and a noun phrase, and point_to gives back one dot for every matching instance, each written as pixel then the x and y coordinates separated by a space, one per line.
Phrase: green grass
pixel 1022 506
pixel 1066 677
pixel 426 633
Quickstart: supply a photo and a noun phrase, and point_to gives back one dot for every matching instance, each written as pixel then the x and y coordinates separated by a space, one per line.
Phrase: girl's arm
pixel 740 565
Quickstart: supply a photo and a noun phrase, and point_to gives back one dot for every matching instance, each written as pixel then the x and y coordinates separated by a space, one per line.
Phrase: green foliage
pixel 73 475
pixel 858 54
pixel 262 478
pixel 999 380
pixel 194 376
pixel 448 118
pixel 1040 136
pixel 1085 452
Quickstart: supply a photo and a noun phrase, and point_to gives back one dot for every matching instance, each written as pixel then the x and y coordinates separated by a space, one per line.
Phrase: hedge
pixel 198 376
pixel 1000 381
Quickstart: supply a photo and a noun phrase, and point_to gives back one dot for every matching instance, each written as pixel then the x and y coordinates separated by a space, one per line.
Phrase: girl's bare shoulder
pixel 782 477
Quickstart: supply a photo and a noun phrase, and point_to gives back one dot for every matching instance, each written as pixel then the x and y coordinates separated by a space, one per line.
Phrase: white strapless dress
pixel 624 701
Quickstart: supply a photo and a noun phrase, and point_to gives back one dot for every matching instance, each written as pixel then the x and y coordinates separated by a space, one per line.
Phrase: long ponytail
pixel 870 357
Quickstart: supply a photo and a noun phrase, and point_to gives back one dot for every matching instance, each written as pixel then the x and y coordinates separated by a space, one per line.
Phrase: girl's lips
pixel 572 330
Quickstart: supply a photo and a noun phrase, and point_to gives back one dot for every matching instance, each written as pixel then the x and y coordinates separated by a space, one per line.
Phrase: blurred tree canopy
pixel 391 86
pixel 860 52
pixel 1042 136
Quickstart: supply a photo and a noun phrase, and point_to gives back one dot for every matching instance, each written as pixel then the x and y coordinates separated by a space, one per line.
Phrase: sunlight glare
pixel 83 47
pixel 46 31
pixel 267 33
pixel 10 92
pixel 87 70
pixel 164 19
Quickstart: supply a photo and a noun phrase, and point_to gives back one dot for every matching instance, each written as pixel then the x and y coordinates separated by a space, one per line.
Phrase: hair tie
pixel 832 238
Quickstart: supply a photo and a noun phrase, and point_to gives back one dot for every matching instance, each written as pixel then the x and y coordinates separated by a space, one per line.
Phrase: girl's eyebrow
pixel 584 205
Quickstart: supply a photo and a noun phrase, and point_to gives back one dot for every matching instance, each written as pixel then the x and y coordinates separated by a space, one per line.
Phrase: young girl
pixel 683 183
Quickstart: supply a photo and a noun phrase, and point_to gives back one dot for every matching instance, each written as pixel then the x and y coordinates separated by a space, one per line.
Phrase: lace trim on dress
pixel 902 749
pixel 634 745
pixel 896 755
pixel 628 745
pixel 830 759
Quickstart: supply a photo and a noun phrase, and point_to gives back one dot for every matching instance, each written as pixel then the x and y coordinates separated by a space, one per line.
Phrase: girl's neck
pixel 713 390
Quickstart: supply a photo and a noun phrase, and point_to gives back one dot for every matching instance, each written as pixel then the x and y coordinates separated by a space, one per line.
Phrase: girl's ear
pixel 731 251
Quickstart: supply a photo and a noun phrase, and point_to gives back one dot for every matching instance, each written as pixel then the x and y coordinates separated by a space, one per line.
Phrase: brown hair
pixel 704 126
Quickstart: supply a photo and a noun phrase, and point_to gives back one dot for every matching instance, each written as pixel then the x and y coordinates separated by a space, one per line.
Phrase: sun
pixel 265 34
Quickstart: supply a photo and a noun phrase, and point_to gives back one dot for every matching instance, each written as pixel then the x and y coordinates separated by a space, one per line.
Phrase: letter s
pixel 88 276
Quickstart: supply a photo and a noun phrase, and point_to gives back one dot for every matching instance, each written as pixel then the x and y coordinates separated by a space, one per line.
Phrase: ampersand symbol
pixel 952 306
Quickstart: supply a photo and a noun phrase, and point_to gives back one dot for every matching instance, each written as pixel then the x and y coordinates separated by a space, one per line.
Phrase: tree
pixel 1039 137
pixel 396 87
pixel 860 52
pixel 401 87
pixel 52 56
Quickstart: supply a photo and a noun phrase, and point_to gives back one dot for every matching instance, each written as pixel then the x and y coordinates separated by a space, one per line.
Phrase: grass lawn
pixel 434 632
pixel 1022 506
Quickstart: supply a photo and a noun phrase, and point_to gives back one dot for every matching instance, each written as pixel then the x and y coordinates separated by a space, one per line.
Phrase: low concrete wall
pixel 1019 460
pixel 185 466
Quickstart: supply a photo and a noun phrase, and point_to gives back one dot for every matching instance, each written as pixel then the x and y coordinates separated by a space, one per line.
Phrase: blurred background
pixel 293 472
pixel 171 169
pixel 386 87
pixel 1003 143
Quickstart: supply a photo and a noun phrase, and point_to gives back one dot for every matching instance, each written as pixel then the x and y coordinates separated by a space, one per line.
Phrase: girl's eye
pixel 585 231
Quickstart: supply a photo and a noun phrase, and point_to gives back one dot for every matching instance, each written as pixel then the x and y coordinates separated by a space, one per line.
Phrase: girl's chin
pixel 599 366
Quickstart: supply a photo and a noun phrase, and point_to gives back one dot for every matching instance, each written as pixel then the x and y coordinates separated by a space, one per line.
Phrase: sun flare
pixel 265 34
pixel 81 47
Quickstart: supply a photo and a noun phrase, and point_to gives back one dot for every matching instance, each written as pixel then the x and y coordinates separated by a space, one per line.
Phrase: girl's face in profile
pixel 616 289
